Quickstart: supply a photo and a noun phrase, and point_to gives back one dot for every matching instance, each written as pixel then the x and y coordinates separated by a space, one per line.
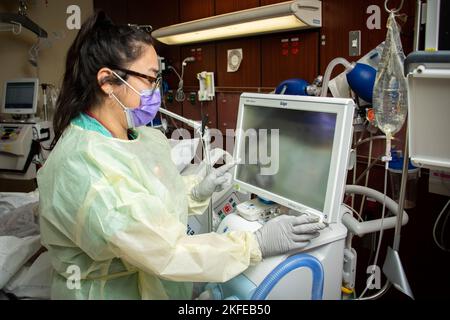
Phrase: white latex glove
pixel 286 233
pixel 216 181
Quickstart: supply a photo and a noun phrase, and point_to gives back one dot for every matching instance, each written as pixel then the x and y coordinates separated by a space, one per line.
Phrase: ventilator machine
pixel 295 163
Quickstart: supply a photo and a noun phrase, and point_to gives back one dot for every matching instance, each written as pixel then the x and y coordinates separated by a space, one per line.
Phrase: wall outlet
pixel 355 43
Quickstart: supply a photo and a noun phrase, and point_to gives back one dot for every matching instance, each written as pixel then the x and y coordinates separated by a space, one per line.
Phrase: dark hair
pixel 100 43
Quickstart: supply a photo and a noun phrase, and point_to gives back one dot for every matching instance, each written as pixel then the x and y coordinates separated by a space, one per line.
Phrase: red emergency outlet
pixel 285 47
pixel 228 208
pixel 295 46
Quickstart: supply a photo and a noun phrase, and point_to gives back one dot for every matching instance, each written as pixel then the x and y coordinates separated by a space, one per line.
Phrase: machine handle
pixel 362 228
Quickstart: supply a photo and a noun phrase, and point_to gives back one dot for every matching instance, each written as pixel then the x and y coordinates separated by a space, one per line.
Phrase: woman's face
pixel 147 64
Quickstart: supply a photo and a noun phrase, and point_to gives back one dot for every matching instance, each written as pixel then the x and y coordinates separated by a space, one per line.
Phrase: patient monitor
pixel 22 142
pixel 20 96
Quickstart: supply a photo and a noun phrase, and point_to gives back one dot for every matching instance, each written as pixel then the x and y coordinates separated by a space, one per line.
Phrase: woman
pixel 113 207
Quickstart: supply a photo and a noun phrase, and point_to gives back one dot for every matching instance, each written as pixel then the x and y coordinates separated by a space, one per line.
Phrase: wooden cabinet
pixel 267 2
pixel 195 111
pixel 155 13
pixel 291 55
pixel 195 9
pixel 226 6
pixel 116 10
pixel 205 60
pixel 249 72
pixel 175 107
pixel 227 110
pixel 339 17
pixel 172 58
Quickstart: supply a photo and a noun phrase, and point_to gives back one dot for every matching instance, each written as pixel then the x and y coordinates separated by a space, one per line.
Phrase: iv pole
pixel 392 267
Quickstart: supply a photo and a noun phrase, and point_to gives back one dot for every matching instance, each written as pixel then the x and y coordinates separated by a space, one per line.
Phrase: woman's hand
pixel 216 181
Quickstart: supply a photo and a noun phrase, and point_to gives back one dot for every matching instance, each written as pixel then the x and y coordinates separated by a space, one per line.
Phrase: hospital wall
pixel 14 49
pixel 51 16
pixel 267 59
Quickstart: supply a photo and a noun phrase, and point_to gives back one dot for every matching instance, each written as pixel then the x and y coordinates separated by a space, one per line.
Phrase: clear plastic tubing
pixel 348 67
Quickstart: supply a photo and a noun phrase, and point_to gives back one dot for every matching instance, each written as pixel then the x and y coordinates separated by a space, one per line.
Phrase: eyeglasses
pixel 145 27
pixel 153 81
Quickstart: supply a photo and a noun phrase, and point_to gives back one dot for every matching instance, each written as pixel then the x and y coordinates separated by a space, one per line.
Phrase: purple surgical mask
pixel 148 106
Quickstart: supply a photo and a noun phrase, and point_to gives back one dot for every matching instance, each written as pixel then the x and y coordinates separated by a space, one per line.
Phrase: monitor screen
pixel 294 150
pixel 20 95
pixel 296 167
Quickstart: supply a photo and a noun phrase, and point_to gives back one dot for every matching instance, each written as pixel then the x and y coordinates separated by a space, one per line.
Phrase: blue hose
pixel 290 264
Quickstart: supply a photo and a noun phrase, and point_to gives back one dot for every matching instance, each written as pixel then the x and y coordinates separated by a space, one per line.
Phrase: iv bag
pixel 390 89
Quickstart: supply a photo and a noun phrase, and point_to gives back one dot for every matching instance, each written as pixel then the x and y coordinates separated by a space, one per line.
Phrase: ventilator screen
pixel 287 152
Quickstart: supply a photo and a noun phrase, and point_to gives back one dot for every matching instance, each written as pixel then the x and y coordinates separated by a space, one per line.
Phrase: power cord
pixel 381 233
pixel 441 244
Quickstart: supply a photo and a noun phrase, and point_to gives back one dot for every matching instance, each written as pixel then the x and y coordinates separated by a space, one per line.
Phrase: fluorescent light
pixel 236 30
pixel 285 16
